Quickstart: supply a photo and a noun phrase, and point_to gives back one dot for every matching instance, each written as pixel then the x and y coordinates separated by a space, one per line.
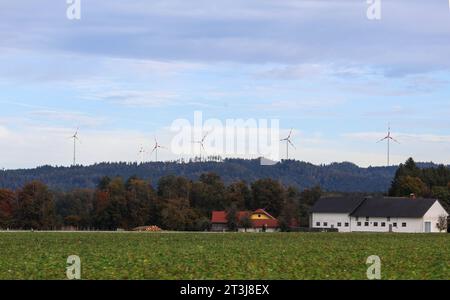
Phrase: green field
pixel 223 256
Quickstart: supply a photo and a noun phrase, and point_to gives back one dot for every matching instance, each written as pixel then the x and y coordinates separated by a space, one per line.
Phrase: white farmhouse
pixel 377 214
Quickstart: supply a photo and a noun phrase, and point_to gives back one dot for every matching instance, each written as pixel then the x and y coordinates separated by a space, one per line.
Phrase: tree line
pixel 175 203
pixel 179 203
pixel 337 177
pixel 423 182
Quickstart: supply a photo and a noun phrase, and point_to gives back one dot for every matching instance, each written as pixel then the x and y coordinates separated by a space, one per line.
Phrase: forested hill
pixel 341 177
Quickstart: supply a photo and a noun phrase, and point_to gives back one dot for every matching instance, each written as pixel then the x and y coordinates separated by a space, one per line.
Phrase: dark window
pixel 366 224
pixel 339 224
pixel 359 223
pixel 325 224
pixel 403 224
pixel 375 224
pixel 318 224
pixel 389 219
pixel 346 224
pixel 394 224
pixel 383 224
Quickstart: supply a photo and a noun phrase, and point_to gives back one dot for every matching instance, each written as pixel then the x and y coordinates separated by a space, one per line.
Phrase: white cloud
pixel 4 132
pixel 135 98
pixel 253 31
pixel 76 118
pixel 310 71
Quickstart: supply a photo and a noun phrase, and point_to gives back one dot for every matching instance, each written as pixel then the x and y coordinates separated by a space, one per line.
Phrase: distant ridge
pixel 336 177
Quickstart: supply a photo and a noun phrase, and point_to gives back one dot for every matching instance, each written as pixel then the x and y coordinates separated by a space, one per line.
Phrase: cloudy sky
pixel 128 69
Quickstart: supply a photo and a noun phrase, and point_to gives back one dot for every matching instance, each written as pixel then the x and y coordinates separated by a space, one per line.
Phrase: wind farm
pixel 199 150
pixel 224 140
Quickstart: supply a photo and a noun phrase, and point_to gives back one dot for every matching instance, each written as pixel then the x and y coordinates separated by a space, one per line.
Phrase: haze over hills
pixel 339 177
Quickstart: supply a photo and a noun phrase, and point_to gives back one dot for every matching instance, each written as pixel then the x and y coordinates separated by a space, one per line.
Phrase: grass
pixel 223 256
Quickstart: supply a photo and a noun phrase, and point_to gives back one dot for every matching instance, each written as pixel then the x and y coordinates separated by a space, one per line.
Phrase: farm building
pixel 258 221
pixel 378 214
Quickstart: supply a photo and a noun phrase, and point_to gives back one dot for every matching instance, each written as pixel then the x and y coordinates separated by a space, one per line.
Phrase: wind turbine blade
pixel 290 133
pixel 205 136
pixel 394 140
pixel 383 139
pixel 292 144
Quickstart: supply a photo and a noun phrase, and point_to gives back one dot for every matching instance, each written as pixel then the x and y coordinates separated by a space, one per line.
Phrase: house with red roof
pixel 257 221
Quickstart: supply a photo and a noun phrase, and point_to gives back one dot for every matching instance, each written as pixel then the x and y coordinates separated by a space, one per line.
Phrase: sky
pixel 126 70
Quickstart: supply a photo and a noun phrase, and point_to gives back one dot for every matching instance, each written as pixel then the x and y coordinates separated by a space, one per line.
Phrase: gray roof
pixel 394 207
pixel 344 205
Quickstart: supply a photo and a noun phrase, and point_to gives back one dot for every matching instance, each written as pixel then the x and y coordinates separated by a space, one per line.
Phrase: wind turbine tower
pixel 288 143
pixel 388 138
pixel 75 139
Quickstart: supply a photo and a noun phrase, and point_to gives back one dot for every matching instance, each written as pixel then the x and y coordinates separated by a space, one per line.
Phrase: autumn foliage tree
pixel 35 207
pixel 269 195
pixel 7 203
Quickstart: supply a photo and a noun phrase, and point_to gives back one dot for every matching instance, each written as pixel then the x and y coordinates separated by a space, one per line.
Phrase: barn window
pixel 346 224
pixel 367 218
pixel 366 224
pixel 359 224
pixel 394 224
pixel 325 224
pixel 318 224
pixel 375 224
pixel 388 219
pixel 403 224
pixel 339 224
pixel 383 224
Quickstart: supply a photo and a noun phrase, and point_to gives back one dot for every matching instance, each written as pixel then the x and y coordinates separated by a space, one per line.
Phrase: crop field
pixel 34 255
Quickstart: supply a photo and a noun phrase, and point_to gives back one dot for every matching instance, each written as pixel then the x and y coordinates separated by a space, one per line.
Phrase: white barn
pixel 378 214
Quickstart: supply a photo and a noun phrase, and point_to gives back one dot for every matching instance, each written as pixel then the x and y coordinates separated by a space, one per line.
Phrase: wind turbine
pixel 288 142
pixel 155 149
pixel 75 139
pixel 388 138
pixel 201 143
pixel 142 154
